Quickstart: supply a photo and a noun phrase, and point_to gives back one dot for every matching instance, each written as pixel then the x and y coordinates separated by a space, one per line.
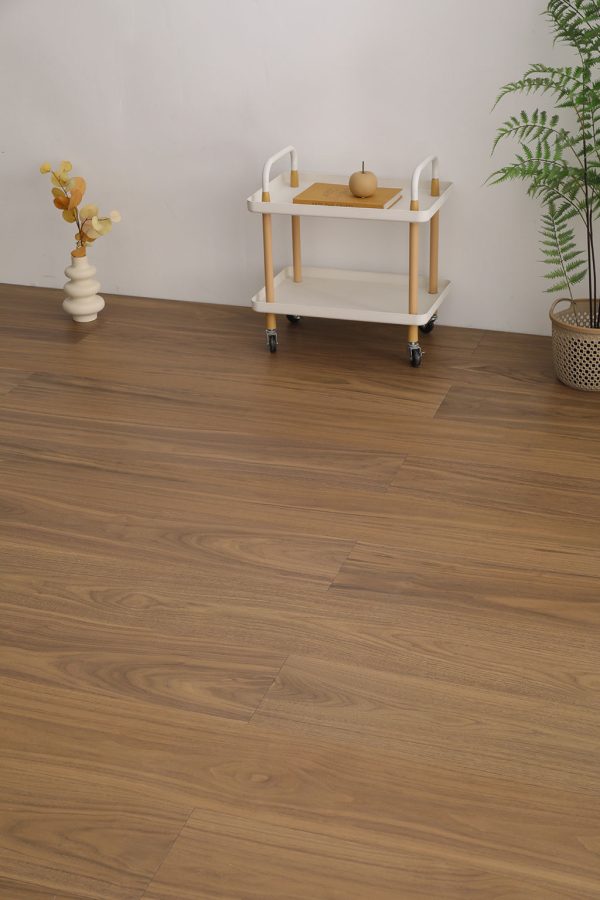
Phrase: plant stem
pixel 588 214
pixel 560 253
pixel 594 280
pixel 66 193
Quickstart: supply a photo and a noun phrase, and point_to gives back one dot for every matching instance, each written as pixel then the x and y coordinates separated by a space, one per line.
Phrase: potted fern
pixel 559 160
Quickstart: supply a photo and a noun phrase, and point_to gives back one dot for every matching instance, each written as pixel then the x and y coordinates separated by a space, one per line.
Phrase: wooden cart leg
pixel 296 249
pixel 413 279
pixel 293 319
pixel 271 321
pixel 434 242
pixel 414 350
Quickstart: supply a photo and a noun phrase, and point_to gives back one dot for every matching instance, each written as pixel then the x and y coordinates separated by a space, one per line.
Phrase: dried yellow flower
pixel 67 193
pixel 101 225
pixel 88 211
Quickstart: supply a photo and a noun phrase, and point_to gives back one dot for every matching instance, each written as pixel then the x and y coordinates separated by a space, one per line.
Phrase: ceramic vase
pixel 82 301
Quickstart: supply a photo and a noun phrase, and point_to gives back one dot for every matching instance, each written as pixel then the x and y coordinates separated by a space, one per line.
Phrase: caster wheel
pixel 416 356
pixel 293 320
pixel 272 343
pixel 429 326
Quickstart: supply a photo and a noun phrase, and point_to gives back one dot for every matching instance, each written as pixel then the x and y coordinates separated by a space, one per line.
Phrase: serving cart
pixel 412 299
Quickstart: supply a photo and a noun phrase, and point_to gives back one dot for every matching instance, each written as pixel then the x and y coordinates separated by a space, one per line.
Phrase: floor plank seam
pixel 391 481
pixel 266 693
pixel 153 877
pixel 346 559
pixel 453 385
pixel 22 380
pixel 479 342
pixel 442 401
pixel 336 575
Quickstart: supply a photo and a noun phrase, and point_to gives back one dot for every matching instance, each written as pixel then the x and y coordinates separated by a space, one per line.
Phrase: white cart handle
pixel 435 173
pixel 273 159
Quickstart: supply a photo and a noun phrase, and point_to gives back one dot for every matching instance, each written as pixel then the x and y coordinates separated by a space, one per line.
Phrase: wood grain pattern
pixel 93 836
pixel 438 578
pixel 290 857
pixel 311 624
pixel 20 890
pixel 486 727
pixel 511 824
pixel 9 379
pixel 551 414
pixel 191 674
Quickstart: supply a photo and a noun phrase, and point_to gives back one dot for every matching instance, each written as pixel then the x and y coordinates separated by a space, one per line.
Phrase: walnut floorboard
pixel 20 890
pixel 9 379
pixel 505 823
pixel 190 673
pixel 440 579
pixel 123 515
pixel 506 826
pixel 528 410
pixel 306 625
pixel 491 728
pixel 266 857
pixel 503 487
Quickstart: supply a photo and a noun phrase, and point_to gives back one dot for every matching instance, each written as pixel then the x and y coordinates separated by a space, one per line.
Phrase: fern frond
pixel 536 126
pixel 564 82
pixel 567 265
pixel 577 23
pixel 540 168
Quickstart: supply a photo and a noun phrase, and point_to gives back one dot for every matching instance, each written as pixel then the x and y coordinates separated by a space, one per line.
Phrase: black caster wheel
pixel 416 356
pixel 429 326
pixel 272 343
pixel 293 320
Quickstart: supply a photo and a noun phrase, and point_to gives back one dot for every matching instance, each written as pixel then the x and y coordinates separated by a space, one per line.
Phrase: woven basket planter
pixel 575 346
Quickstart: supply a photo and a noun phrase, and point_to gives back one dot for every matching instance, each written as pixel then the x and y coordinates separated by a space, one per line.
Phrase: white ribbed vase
pixel 82 301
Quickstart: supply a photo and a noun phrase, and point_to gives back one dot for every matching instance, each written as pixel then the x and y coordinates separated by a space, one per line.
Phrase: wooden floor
pixel 293 627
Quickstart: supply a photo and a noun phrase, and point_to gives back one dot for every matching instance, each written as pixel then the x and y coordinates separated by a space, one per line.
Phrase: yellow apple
pixel 363 184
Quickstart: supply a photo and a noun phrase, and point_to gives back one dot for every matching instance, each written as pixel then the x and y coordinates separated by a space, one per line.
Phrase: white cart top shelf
pixel 282 195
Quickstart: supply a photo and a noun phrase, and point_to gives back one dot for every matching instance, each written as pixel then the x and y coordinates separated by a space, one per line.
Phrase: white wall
pixel 169 108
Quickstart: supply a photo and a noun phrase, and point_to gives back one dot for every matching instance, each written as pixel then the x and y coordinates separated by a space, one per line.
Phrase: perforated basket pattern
pixel 576 349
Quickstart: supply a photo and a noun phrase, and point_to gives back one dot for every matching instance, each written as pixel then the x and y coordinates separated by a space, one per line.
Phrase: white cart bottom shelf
pixel 357 296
